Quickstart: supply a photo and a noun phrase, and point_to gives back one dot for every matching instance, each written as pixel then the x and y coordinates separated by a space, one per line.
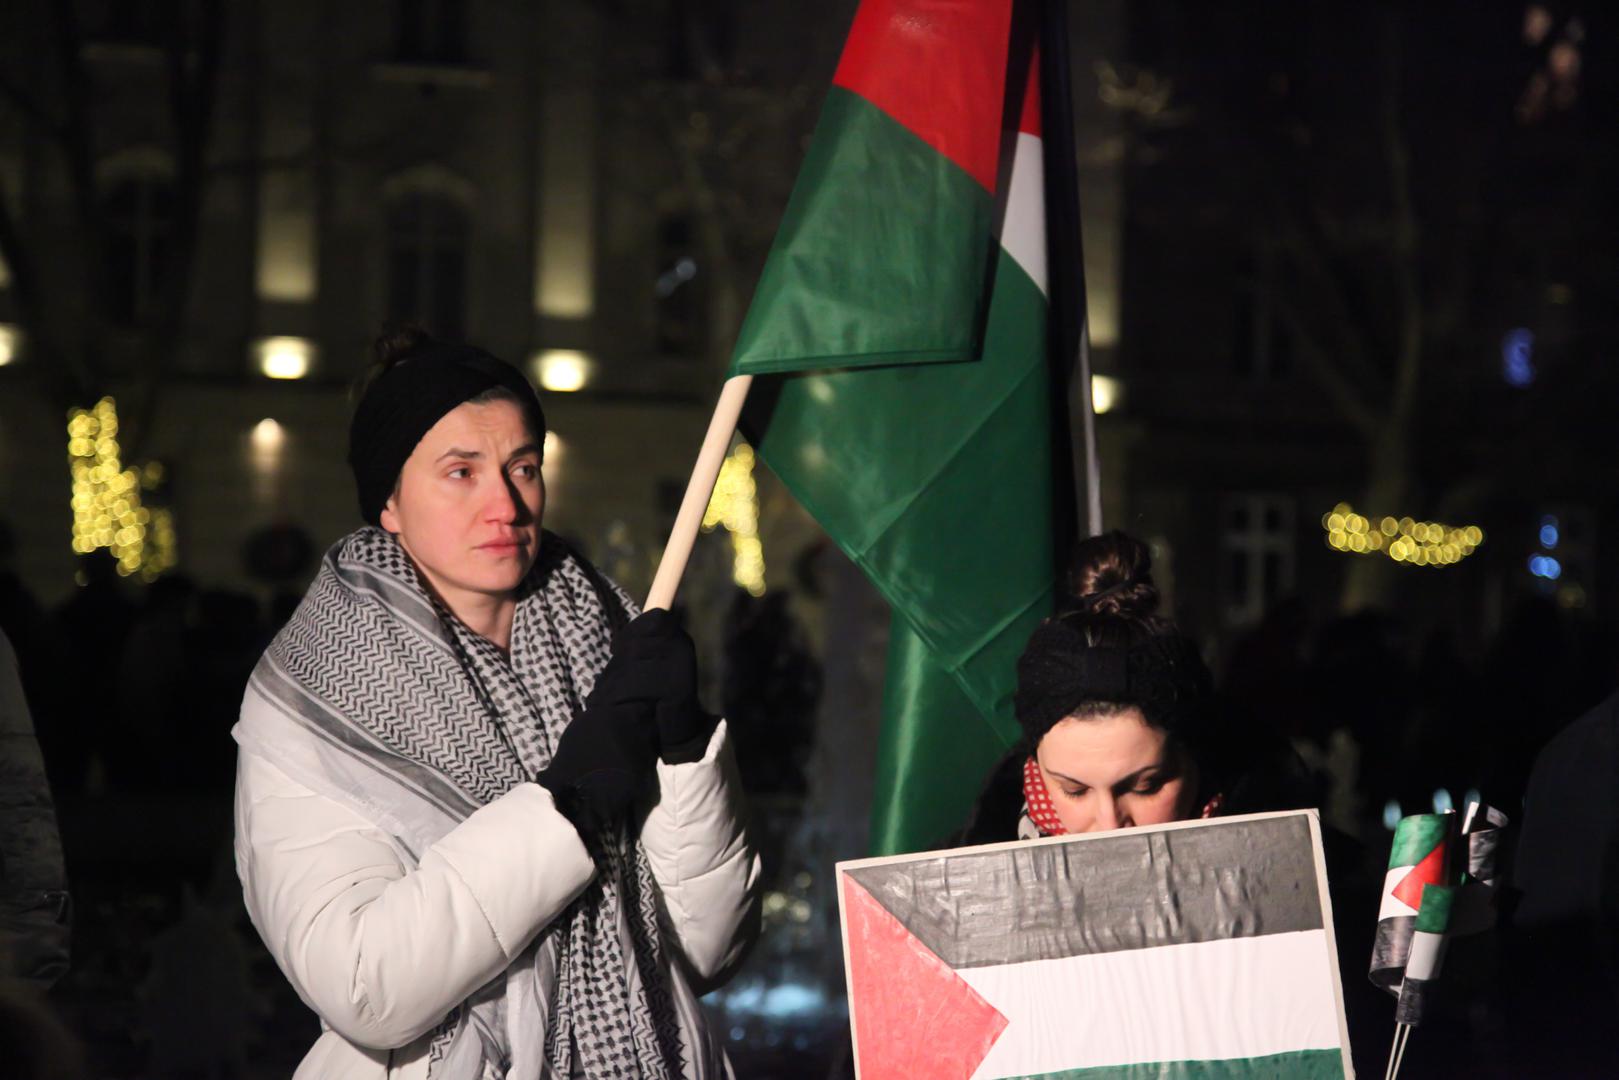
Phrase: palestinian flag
pixel 1167 952
pixel 904 302
pixel 1440 884
pixel 1419 857
pixel 1427 954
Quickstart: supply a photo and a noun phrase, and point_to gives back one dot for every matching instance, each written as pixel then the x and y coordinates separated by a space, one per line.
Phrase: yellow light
pixel 106 500
pixel 1413 543
pixel 735 505
pixel 284 357
pixel 562 370
pixel 9 338
pixel 268 436
pixel 1106 393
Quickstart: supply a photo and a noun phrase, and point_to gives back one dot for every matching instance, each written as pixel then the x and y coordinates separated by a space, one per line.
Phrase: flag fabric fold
pixel 902 314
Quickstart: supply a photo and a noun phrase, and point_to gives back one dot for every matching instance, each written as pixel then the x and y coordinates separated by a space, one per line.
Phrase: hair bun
pixel 1111 574
pixel 397 342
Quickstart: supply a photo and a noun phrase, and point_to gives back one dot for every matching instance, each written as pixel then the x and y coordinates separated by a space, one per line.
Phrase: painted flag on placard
pixel 898 336
pixel 1161 953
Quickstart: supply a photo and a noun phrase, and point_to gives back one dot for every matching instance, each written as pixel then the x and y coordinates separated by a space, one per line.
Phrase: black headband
pixel 406 401
pixel 1060 671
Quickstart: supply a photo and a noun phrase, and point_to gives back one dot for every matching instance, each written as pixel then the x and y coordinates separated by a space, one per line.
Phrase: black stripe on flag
pixel 1126 890
pixel 1391 949
pixel 1414 997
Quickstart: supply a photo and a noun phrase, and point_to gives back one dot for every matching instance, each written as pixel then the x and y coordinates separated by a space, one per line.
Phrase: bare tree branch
pixel 1323 365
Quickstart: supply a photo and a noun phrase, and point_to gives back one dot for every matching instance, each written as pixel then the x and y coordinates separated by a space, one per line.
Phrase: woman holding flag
pixel 481 821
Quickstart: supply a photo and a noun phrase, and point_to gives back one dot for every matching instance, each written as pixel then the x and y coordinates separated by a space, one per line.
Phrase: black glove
pixel 654 664
pixel 602 762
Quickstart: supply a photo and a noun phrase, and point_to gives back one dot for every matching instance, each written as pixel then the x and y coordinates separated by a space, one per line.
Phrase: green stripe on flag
pixel 1434 915
pixel 935 479
pixel 1297 1065
pixel 881 256
pixel 1416 836
pixel 931 731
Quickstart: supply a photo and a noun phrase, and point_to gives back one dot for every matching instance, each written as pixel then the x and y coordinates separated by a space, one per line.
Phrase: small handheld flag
pixel 1440 884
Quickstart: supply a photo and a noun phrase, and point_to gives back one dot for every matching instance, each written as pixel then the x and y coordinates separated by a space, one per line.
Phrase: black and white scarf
pixel 385 700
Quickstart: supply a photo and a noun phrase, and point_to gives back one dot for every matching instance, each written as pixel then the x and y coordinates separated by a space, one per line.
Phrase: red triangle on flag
pixel 939 68
pixel 913 1015
pixel 1430 871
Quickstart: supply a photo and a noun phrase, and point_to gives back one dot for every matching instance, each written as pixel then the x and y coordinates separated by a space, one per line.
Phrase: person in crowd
pixel 35 915
pixel 1122 727
pixel 482 823
pixel 1561 955
pixel 1116 707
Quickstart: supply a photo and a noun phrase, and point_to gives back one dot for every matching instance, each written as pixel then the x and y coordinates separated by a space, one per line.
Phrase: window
pixel 135 22
pixel 427 262
pixel 1256 554
pixel 682 328
pixel 431 31
pixel 140 223
pixel 1261 345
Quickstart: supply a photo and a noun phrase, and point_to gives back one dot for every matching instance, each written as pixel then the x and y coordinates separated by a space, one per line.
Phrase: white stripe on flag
pixel 1393 906
pixel 1427 955
pixel 1023 233
pixel 1237 998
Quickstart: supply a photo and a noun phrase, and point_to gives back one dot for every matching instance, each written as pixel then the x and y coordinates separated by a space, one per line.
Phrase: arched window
pixel 427 261
pixel 139 210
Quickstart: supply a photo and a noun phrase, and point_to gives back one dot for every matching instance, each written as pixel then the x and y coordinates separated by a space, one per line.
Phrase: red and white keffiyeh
pixel 1037 801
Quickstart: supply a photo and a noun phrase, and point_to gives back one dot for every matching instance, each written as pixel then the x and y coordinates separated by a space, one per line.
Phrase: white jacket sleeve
pixel 707 871
pixel 380 951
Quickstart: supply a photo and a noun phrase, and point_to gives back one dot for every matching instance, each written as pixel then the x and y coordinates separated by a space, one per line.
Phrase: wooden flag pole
pixel 695 502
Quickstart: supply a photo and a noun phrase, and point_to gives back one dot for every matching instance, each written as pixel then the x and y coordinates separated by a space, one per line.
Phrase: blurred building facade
pixel 488 169
pixel 586 190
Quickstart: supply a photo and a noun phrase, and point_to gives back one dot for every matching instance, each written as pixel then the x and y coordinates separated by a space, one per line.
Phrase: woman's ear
pixel 1212 807
pixel 389 518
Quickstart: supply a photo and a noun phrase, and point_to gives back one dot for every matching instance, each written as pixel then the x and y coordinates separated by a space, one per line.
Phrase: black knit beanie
pixel 407 399
pixel 1061 671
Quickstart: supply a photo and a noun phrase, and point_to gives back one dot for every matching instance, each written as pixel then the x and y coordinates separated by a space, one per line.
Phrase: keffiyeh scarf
pixel 1039 817
pixel 387 702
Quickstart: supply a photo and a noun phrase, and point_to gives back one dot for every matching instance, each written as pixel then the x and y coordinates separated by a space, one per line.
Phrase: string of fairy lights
pixel 1413 543
pixel 107 498
pixel 735 506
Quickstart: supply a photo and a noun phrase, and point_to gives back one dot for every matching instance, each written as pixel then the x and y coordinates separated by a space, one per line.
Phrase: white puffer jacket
pixel 382 946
